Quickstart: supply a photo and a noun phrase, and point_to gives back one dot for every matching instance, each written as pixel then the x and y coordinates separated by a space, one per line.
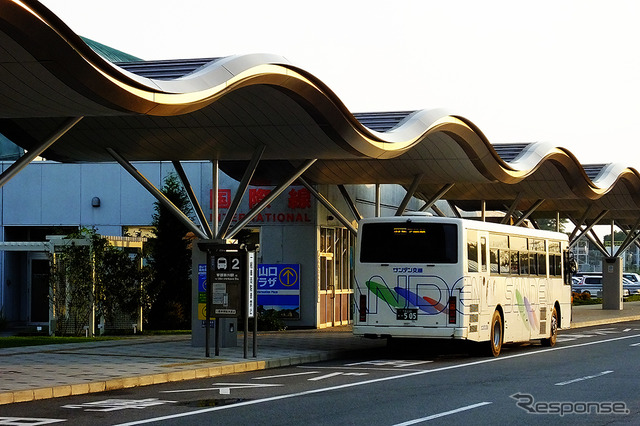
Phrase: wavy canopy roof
pixel 227 108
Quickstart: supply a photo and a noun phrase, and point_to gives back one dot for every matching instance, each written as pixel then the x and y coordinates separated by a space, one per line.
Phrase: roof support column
pixel 268 199
pixel 438 195
pixel 613 238
pixel 329 206
pixel 24 161
pixel 215 186
pixel 378 211
pixel 512 209
pixel 412 190
pixel 529 212
pixel 242 189
pixel 630 238
pixel 578 225
pixel 483 211
pixel 572 242
pixel 162 199
pixel 204 223
pixel 454 209
pixel 350 203
pixel 438 211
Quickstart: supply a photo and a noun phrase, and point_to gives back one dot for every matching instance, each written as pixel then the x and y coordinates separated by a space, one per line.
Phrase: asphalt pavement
pixel 50 371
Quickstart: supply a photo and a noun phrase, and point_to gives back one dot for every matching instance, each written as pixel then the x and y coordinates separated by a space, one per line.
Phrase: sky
pixel 565 72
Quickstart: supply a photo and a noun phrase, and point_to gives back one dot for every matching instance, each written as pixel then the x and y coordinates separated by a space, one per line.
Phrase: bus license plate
pixel 407 314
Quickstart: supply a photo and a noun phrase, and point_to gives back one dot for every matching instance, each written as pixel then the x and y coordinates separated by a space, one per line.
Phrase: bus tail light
pixel 452 310
pixel 363 308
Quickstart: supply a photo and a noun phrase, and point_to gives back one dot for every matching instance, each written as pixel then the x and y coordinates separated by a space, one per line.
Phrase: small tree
pixel 550 224
pixel 71 283
pixel 120 281
pixel 84 275
pixel 170 289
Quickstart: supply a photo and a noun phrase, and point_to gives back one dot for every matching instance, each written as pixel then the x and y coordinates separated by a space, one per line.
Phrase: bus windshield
pixel 407 242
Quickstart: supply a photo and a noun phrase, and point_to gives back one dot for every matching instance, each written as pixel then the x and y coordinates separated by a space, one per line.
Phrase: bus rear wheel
pixel 495 341
pixel 553 336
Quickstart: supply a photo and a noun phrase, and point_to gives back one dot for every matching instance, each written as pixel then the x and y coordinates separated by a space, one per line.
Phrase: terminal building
pixel 112 127
pixel 52 198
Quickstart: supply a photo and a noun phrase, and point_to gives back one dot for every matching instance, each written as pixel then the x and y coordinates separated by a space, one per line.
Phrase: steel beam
pixel 529 212
pixel 242 189
pixel 32 154
pixel 455 210
pixel 215 186
pixel 629 238
pixel 438 195
pixel 573 242
pixel 438 211
pixel 268 199
pixel 162 199
pixel 407 197
pixel 512 209
pixel 195 204
pixel 350 203
pixel 578 224
pixel 329 206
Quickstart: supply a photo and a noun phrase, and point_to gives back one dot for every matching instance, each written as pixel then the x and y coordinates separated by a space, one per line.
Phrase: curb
pixel 604 321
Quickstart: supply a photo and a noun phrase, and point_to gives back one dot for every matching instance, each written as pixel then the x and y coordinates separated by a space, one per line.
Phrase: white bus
pixel 419 276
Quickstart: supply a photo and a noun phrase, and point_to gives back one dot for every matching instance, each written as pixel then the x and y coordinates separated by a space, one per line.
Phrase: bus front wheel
pixel 495 342
pixel 553 336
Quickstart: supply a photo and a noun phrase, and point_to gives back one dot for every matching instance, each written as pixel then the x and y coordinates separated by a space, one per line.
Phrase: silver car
pixel 592 285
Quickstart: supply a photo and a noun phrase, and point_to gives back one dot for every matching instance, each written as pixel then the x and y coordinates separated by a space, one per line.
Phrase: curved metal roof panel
pixel 227 108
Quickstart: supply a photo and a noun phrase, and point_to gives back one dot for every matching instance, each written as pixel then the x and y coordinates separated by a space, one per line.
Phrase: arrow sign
pixel 224 388
pixel 288 277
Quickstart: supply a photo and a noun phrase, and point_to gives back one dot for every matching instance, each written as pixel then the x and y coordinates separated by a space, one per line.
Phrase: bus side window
pixel 515 262
pixel 504 261
pixel 472 256
pixel 542 264
pixel 524 263
pixel 493 260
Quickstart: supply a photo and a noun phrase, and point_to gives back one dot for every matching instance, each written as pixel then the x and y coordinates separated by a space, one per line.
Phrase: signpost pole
pixel 245 301
pixel 255 310
pixel 207 335
pixel 217 334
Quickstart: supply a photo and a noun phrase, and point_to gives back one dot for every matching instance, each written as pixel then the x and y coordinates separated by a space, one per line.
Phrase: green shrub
pixel 269 320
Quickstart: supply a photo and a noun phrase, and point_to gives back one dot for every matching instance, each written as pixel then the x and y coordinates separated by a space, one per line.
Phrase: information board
pixel 279 289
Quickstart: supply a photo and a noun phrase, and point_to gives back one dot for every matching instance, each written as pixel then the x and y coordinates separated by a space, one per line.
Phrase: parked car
pixel 592 284
pixel 631 276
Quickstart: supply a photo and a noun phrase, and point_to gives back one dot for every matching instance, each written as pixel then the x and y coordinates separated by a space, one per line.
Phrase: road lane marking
pixel 446 413
pixel 285 375
pixel 580 379
pixel 386 363
pixel 326 376
pixel 368 382
pixel 635 344
pixel 109 405
pixel 30 421
pixel 338 367
pixel 339 373
pixel 224 388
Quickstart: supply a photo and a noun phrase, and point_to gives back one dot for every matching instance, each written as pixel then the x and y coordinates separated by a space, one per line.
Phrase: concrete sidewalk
pixel 39 372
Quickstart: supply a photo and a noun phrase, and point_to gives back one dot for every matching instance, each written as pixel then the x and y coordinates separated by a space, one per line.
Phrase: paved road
pixel 419 384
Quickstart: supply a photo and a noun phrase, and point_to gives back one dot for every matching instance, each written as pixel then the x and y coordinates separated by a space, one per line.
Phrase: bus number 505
pixel 407 314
